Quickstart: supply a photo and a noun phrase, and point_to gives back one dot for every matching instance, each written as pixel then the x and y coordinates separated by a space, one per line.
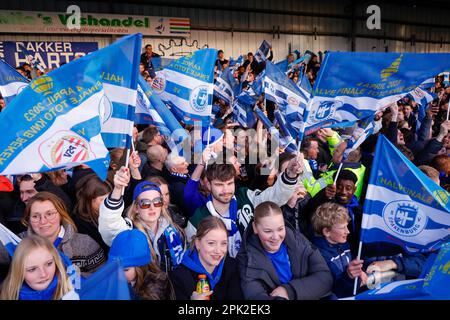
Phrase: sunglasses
pixel 146 203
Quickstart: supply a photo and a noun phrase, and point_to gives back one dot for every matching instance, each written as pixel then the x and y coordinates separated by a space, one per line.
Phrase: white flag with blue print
pixel 186 85
pixel 11 82
pixel 404 206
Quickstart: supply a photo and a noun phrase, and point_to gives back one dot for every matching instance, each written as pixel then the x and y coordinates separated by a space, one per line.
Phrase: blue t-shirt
pixel 281 263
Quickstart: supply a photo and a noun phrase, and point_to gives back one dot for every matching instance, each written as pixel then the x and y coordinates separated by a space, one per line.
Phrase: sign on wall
pixel 93 23
pixel 49 54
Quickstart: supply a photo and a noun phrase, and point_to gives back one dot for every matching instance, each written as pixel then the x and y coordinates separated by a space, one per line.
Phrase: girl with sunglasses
pixel 148 214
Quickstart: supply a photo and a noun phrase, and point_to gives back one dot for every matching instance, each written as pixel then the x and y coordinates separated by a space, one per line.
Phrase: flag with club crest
pixel 58 120
pixel 186 85
pixel 355 85
pixel 404 206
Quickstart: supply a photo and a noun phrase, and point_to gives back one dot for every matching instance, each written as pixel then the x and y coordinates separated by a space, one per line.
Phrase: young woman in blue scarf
pixel 37 272
pixel 208 256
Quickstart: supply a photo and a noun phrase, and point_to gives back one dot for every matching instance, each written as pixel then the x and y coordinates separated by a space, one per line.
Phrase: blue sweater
pixel 192 197
pixel 337 256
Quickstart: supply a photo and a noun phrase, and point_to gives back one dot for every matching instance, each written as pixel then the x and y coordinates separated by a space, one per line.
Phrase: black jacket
pixel 185 280
pixel 311 277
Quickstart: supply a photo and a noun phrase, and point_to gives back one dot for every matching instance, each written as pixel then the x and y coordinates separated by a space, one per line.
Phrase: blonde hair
pixel 57 203
pixel 327 215
pixel 265 209
pixel 137 222
pixel 16 275
pixel 205 226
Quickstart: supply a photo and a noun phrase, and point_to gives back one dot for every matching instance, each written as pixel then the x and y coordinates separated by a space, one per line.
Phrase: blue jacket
pixel 337 256
pixel 192 197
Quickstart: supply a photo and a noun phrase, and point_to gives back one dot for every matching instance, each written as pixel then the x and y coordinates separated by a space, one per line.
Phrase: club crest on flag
pixel 325 110
pixel 404 218
pixel 441 196
pixel 43 84
pixel 64 147
pixel 159 83
pixel 199 98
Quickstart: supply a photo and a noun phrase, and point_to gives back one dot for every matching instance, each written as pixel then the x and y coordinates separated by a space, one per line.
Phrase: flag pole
pixel 355 285
pixel 337 175
pixel 207 143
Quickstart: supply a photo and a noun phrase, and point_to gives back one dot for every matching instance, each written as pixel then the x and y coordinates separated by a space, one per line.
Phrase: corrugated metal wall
pixel 239 26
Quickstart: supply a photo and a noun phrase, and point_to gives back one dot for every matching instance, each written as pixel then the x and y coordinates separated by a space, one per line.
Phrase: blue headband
pixel 145 186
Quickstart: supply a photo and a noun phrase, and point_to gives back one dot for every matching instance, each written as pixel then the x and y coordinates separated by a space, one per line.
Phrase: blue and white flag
pixel 243 110
pixel 435 285
pixel 187 86
pixel 119 64
pixel 404 206
pixel 236 63
pixel 11 82
pixel 226 86
pixel 354 85
pixel 56 121
pixel 363 129
pixel 150 109
pixel 286 140
pixel 422 97
pixel 263 51
pixel 281 90
pixel 34 62
pixel 8 239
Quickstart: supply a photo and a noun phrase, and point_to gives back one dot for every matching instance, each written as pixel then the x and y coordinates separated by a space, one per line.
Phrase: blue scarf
pixel 26 293
pixel 175 244
pixel 180 175
pixel 192 261
pixel 234 237
pixel 352 204
pixel 233 215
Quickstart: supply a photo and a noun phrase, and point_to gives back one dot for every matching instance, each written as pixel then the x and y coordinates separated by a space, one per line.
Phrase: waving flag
pixel 8 239
pixel 354 85
pixel 11 82
pixel 107 283
pixel 435 286
pixel 119 65
pixel 286 140
pixel 34 62
pixel 150 109
pixel 226 86
pixel 58 121
pixel 403 206
pixel 281 90
pixel 187 86
pixel 262 52
pixel 243 110
pixel 363 129
pixel 236 63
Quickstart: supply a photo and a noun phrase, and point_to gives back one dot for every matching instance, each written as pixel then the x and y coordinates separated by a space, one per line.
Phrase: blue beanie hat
pixel 145 186
pixel 131 248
